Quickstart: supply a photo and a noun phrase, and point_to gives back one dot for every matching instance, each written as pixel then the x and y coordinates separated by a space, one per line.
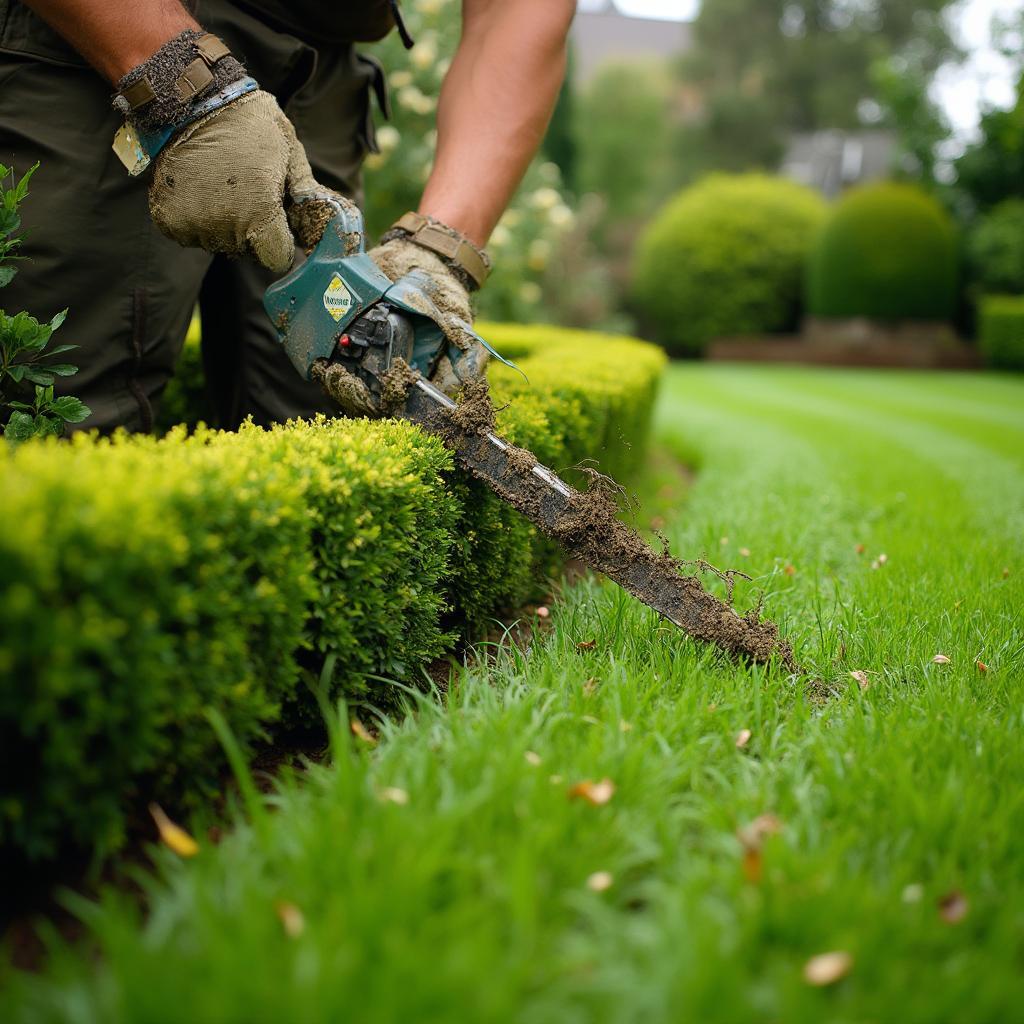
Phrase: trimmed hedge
pixel 723 257
pixel 144 581
pixel 995 250
pixel 887 252
pixel 1001 331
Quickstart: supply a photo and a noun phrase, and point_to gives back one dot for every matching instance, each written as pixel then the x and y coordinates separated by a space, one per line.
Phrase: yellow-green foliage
pixel 146 580
pixel 1001 331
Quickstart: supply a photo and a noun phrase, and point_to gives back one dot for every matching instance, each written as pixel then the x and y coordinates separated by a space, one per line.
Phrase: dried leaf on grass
pixel 600 881
pixel 745 552
pixel 953 907
pixel 981 667
pixel 590 686
pixel 361 732
pixel 752 837
pixel 940 659
pixel 827 968
pixel 393 795
pixel 789 569
pixel 586 645
pixel 743 738
pixel 533 758
pixel 173 836
pixel 862 678
pixel 542 612
pixel 292 921
pixel 594 793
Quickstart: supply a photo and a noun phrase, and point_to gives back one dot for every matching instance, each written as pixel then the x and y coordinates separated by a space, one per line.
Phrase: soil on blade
pixel 588 526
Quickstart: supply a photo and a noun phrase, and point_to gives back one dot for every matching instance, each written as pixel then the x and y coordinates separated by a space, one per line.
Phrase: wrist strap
pixel 192 81
pixel 447 242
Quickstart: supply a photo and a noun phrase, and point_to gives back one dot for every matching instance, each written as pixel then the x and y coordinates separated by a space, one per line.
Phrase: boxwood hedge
pixel 1001 331
pixel 144 581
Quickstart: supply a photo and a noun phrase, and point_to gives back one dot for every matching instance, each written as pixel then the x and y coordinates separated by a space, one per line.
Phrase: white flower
pixel 388 137
pixel 538 254
pixel 550 173
pixel 500 237
pixel 412 99
pixel 511 218
pixel 529 293
pixel 561 216
pixel 400 79
pixel 424 54
pixel 545 199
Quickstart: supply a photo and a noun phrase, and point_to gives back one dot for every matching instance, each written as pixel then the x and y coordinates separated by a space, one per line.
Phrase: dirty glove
pixel 445 284
pixel 228 156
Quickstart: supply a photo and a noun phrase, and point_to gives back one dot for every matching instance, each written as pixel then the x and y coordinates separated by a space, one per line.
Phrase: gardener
pixel 221 183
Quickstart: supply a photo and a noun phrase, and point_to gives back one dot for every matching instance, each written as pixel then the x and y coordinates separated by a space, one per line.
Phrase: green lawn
pixel 444 874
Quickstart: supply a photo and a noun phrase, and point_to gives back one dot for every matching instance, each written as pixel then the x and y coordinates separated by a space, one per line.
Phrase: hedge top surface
pixel 726 256
pixel 888 251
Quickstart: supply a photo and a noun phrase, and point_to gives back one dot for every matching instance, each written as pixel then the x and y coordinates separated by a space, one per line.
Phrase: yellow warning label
pixel 337 298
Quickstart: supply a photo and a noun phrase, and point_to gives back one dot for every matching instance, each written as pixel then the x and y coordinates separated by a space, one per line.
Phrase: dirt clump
pixel 394 385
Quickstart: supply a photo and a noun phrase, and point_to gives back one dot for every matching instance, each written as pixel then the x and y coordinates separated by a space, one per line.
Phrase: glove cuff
pixel 470 264
pixel 164 90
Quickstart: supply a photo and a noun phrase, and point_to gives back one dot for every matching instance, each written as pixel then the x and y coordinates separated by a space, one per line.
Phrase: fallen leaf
pixel 862 678
pixel 600 881
pixel 1006 572
pixel 543 612
pixel 827 968
pixel 590 686
pixel 532 758
pixel 981 667
pixel 712 708
pixel 595 793
pixel 171 835
pixel 753 864
pixel 292 921
pixel 789 570
pixel 913 893
pixel 745 552
pixel 586 645
pixel 883 558
pixel 940 659
pixel 394 795
pixel 860 549
pixel 361 732
pixel 724 541
pixel 875 564
pixel 953 907
pixel 625 726
pixel 590 720
pixel 743 738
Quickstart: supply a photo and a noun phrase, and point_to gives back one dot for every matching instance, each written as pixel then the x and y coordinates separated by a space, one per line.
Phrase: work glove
pixel 226 160
pixel 222 182
pixel 443 290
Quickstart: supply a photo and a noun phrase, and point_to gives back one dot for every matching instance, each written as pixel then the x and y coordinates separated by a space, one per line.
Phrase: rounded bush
pixel 725 256
pixel 887 252
pixel 995 249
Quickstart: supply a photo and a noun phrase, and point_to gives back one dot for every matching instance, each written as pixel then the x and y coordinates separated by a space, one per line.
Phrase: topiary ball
pixel 887 252
pixel 725 256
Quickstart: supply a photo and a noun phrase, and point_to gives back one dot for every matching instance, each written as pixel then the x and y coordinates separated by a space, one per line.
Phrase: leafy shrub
pixel 1001 331
pixel 995 250
pixel 23 342
pixel 725 257
pixel 888 251
pixel 150 579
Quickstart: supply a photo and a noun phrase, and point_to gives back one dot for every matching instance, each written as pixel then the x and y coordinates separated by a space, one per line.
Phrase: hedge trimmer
pixel 336 312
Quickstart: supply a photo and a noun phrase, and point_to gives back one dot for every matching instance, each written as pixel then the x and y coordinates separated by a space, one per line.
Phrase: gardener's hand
pixel 466 359
pixel 222 183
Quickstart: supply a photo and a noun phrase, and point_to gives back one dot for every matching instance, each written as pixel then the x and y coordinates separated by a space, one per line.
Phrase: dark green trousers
pixel 92 247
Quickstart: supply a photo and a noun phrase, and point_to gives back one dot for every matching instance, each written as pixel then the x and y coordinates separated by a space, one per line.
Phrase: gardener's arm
pixel 494 109
pixel 112 35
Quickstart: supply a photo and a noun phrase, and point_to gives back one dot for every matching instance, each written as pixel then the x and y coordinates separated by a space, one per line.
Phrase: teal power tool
pixel 336 307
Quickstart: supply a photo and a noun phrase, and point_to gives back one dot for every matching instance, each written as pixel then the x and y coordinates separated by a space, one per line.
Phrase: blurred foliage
pixel 560 145
pixel 539 214
pixel 995 249
pixel 767 68
pixel 888 251
pixel 992 169
pixel 1001 331
pixel 725 256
